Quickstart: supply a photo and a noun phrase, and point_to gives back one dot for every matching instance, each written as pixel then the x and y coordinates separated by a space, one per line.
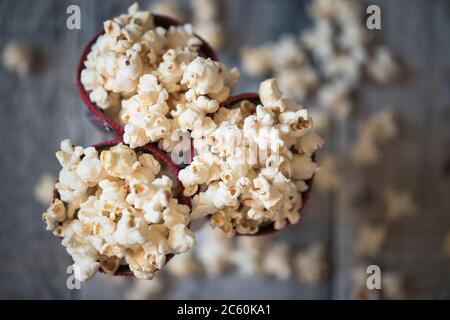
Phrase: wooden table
pixel 40 110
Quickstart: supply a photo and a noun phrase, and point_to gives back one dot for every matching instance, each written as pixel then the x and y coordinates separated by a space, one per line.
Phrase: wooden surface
pixel 39 111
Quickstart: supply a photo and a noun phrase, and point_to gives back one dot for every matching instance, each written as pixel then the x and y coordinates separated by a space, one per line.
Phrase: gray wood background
pixel 39 111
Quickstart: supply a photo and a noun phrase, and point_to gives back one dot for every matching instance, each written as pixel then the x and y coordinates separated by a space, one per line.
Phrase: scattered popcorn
pixel 370 239
pixel 276 261
pixel 246 256
pixel 115 208
pixel 298 83
pixel 284 55
pixel 205 17
pixel 168 8
pixel 152 80
pixel 383 68
pixel 43 190
pixel 256 61
pixel 249 164
pixel 18 58
pixel 145 290
pixel 184 265
pixel 214 252
pixel 399 204
pixel 377 129
pixel 310 265
pixel 328 177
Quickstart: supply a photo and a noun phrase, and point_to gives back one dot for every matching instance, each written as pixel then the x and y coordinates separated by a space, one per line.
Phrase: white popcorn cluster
pixel 342 52
pixel 253 163
pixel 116 209
pixel 152 80
pixel 205 16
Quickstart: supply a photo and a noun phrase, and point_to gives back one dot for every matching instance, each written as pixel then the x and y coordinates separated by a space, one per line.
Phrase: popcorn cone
pixel 95 114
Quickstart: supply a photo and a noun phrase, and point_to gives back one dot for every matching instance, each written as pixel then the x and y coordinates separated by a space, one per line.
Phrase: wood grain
pixel 40 110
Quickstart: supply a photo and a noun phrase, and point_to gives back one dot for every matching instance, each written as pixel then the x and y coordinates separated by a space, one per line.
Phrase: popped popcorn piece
pixel 43 190
pixel 214 252
pixel 247 256
pixel 116 209
pixel 205 17
pixel 399 204
pixel 310 264
pixel 383 67
pixel 54 214
pixel 256 61
pixel 181 239
pixel 168 8
pixel 336 98
pixel 184 265
pixel 369 240
pixel 328 178
pixel 145 290
pixel 377 129
pixel 208 77
pixel 298 83
pixel 18 58
pixel 276 261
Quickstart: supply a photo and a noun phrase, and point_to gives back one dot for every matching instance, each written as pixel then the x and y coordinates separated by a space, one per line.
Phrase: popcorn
pixel 214 252
pixel 298 83
pixel 184 265
pixel 310 264
pixel 119 161
pixel 399 204
pixel 18 58
pixel 90 168
pixel 211 78
pixel 131 230
pixel 252 164
pixel 145 290
pixel 43 190
pixel 55 213
pixel 327 177
pixel 377 129
pixel 116 209
pixel 181 239
pixel 383 68
pixel 170 9
pixel 276 261
pixel 370 240
pixel 256 61
pixel 205 17
pixel 152 80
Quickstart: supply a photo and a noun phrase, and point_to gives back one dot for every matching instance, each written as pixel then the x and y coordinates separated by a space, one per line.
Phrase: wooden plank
pixel 41 110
